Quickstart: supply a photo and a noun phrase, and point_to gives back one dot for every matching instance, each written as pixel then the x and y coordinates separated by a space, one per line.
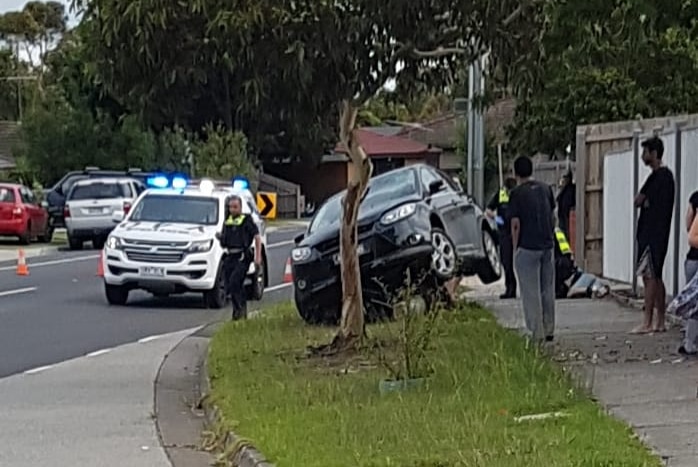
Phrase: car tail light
pixel 66 212
pixel 127 207
pixel 17 212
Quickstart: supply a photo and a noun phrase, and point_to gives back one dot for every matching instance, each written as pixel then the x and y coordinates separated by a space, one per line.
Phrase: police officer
pixel 564 264
pixel 498 207
pixel 239 231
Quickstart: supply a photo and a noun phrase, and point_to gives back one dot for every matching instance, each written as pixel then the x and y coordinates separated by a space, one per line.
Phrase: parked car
pixel 91 204
pixel 414 218
pixel 55 196
pixel 22 215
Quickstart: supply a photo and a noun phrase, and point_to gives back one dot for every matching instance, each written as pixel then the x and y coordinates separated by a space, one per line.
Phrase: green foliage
pixel 36 26
pixel 222 154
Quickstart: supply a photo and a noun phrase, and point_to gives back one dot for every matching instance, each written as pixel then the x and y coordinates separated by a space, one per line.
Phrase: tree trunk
pixel 352 323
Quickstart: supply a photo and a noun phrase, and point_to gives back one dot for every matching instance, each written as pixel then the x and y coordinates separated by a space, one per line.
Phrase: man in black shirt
pixel 531 210
pixel 499 205
pixel 239 231
pixel 656 204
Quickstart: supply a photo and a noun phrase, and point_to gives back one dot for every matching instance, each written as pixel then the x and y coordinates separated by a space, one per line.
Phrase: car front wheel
pixel 443 257
pixel 216 297
pixel 255 291
pixel 116 294
pixel 490 268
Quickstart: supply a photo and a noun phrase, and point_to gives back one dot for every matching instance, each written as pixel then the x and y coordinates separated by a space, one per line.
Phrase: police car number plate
pixel 152 271
pixel 360 249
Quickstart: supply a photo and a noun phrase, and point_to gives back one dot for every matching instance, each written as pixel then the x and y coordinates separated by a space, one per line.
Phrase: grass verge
pixel 306 411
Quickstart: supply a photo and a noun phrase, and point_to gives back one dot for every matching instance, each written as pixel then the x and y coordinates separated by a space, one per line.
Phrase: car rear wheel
pixel 98 243
pixel 47 236
pixel 443 258
pixel 26 237
pixel 490 268
pixel 75 243
pixel 116 294
pixel 216 297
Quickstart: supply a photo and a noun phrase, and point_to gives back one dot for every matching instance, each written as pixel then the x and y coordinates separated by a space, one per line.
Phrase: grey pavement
pixel 92 411
pixel 639 379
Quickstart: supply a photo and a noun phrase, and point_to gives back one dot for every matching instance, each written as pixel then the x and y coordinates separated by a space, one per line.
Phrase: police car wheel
pixel 116 294
pixel 216 298
pixel 255 291
pixel 490 268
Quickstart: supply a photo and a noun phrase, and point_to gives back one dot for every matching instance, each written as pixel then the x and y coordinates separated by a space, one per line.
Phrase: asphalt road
pixel 59 312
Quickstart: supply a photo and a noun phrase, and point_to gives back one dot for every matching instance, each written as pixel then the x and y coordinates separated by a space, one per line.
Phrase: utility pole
pixel 476 129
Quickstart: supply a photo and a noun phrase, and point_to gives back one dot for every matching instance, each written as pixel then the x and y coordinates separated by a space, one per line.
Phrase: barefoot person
pixel 656 204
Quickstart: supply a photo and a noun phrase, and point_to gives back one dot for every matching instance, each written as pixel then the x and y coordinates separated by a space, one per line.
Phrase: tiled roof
pixel 376 145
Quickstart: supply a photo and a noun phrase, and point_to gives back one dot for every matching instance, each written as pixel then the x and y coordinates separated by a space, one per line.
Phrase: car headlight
pixel 300 254
pixel 113 243
pixel 200 246
pixel 397 214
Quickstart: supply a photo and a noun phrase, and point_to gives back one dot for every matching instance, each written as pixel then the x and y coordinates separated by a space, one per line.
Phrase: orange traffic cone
pixel 288 272
pixel 22 269
pixel 100 265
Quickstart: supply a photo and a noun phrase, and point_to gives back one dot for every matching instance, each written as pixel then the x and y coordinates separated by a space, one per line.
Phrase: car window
pixel 176 209
pixel 70 181
pixel 27 196
pixel 97 191
pixel 7 195
pixel 428 177
pixel 127 189
pixel 140 188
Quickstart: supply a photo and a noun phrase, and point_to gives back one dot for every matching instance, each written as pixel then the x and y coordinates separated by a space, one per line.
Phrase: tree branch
pixel 513 17
pixel 438 52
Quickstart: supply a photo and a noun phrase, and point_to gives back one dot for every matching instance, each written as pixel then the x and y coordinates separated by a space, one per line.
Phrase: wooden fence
pixel 290 203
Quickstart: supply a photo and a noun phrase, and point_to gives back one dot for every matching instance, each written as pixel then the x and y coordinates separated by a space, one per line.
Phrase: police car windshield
pixel 176 209
pixel 381 190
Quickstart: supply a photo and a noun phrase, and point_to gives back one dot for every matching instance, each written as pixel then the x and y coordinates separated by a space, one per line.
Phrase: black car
pixel 412 218
pixel 55 197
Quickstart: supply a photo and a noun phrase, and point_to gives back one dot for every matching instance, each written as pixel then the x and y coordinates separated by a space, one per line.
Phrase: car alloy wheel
pixel 492 253
pixel 443 258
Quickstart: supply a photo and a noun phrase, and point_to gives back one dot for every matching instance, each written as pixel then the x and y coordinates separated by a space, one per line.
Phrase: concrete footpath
pixel 639 379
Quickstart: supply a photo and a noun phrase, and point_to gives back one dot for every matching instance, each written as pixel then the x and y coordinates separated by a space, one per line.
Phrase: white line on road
pixel 7 293
pixel 55 262
pixel 38 370
pixel 278 287
pixel 150 339
pixel 97 353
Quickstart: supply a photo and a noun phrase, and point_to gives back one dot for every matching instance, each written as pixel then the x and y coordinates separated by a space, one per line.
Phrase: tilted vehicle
pixel 167 243
pixel 22 215
pixel 90 205
pixel 56 195
pixel 412 218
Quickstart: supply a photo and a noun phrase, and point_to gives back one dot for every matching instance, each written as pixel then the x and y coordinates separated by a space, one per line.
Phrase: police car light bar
pixel 207 186
pixel 179 183
pixel 176 182
pixel 241 183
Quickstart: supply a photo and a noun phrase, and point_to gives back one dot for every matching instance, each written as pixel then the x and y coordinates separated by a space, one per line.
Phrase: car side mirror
pixel 118 216
pixel 299 238
pixel 436 186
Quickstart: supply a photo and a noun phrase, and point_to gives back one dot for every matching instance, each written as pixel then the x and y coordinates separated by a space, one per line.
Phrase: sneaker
pixel 683 351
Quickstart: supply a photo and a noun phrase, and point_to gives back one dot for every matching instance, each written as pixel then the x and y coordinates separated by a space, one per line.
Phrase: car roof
pixel 191 191
pixel 90 181
pixel 10 185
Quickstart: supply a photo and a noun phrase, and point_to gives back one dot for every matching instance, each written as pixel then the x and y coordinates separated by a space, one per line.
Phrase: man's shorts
pixel 651 262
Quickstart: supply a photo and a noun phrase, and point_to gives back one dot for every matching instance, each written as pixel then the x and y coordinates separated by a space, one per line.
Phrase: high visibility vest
pixel 562 242
pixel 235 220
pixel 503 196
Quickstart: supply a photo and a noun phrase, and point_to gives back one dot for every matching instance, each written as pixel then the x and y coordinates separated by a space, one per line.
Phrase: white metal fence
pixel 624 174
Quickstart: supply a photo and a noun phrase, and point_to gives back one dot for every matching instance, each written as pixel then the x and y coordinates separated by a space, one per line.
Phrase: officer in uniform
pixel 239 231
pixel 564 264
pixel 497 208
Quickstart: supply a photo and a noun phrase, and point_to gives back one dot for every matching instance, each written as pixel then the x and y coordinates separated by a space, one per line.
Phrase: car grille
pixel 332 246
pixel 154 251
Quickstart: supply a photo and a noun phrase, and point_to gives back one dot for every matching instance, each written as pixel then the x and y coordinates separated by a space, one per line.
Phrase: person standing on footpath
pixel 566 202
pixel 688 347
pixel 656 204
pixel 498 208
pixel 532 211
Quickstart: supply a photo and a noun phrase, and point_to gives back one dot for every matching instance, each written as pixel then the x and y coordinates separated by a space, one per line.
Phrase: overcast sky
pixel 12 5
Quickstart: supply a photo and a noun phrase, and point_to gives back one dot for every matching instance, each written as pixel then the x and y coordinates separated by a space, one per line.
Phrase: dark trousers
pixel 235 269
pixel 506 251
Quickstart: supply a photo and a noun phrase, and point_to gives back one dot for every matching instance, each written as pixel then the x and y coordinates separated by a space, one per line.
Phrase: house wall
pixel 317 183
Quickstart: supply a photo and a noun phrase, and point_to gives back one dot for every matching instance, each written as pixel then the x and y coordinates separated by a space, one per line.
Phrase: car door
pixel 33 210
pixel 443 202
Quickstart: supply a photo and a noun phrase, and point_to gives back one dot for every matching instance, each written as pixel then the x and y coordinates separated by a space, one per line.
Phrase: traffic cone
pixel 288 272
pixel 22 269
pixel 100 265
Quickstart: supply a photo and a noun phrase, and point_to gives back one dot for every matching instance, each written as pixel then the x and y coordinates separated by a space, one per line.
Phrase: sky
pixel 13 5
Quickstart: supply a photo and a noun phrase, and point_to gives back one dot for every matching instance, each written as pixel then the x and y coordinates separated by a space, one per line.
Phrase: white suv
pixel 167 245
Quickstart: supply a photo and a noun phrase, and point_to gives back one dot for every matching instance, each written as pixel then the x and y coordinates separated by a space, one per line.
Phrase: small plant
pixel 404 354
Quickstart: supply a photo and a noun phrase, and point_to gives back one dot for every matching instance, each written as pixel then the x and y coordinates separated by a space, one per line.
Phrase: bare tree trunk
pixel 352 323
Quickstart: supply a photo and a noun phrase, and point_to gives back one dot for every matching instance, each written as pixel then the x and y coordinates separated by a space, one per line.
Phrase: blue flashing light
pixel 179 183
pixel 176 182
pixel 158 181
pixel 241 183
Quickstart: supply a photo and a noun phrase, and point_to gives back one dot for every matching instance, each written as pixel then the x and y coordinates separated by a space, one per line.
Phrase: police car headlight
pixel 200 246
pixel 300 254
pixel 113 243
pixel 397 214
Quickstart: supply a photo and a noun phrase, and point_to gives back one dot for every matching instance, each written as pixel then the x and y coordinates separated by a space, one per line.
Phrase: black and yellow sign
pixel 266 203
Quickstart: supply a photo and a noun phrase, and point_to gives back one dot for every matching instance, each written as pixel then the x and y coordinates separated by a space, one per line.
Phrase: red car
pixel 21 215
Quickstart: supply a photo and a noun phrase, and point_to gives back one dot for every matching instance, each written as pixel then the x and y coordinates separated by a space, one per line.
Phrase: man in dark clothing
pixel 656 204
pixel 531 211
pixel 690 269
pixel 498 206
pixel 566 201
pixel 239 231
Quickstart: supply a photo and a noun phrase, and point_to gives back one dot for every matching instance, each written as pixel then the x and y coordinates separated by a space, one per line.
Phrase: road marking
pixel 38 370
pixel 280 244
pixel 97 353
pixel 278 287
pixel 53 263
pixel 150 339
pixel 7 293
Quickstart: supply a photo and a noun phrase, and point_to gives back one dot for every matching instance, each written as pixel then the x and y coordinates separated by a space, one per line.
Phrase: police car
pixel 166 244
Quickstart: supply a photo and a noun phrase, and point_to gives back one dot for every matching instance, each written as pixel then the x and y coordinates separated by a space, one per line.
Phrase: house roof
pixel 377 145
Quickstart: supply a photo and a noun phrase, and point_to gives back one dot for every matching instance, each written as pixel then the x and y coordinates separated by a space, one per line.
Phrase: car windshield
pixel 97 191
pixel 7 195
pixel 176 209
pixel 382 189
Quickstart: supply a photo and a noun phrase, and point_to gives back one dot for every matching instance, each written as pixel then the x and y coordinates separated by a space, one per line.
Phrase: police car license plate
pixel 152 271
pixel 360 249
